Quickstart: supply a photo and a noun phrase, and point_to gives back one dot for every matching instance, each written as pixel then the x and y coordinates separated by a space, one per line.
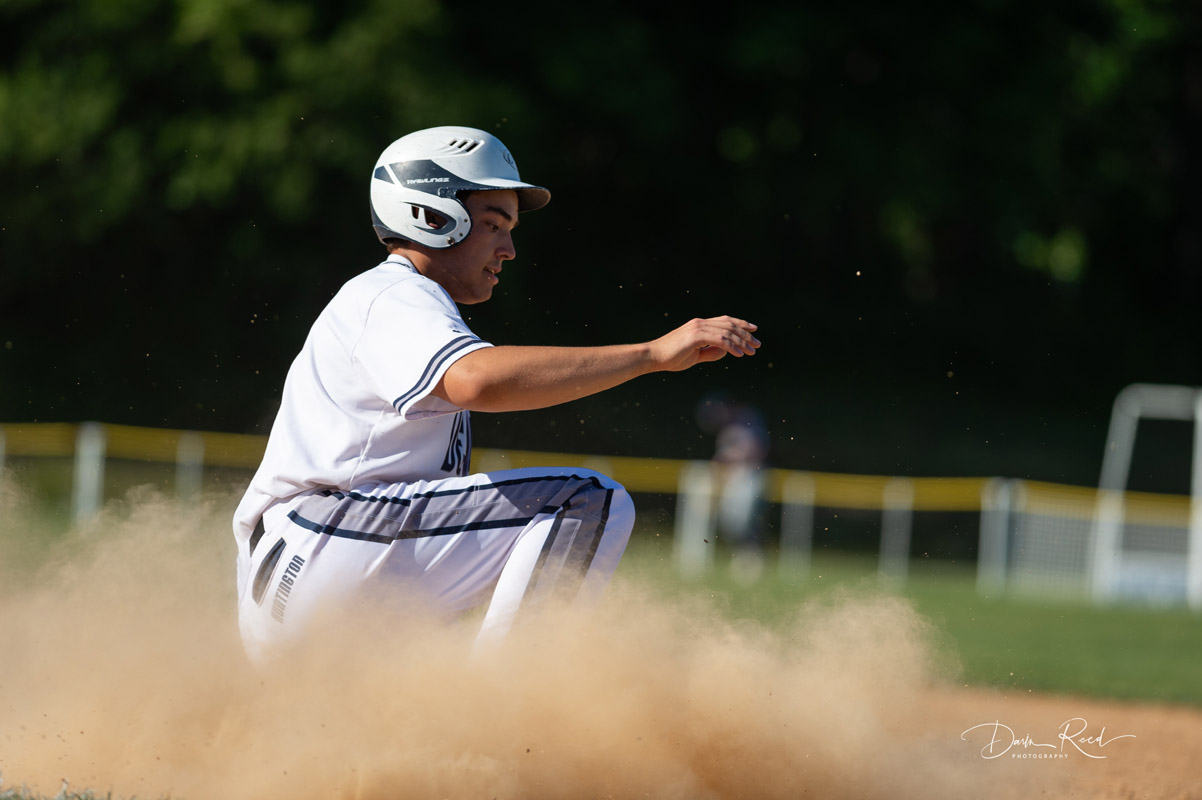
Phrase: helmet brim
pixel 530 197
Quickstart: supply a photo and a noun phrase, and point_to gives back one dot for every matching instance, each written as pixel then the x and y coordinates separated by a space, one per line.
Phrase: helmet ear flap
pixel 430 220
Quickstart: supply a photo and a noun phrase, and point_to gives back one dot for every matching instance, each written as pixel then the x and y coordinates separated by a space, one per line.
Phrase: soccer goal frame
pixel 1135 402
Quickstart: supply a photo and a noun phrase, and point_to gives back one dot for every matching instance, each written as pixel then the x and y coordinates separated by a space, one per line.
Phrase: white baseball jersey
pixel 363 497
pixel 357 407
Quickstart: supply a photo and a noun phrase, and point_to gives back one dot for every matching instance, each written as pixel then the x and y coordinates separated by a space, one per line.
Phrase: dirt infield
pixel 123 672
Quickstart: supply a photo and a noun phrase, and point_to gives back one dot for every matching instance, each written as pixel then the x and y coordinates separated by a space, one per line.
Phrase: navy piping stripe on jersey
pixel 347 533
pixel 423 384
pixel 404 501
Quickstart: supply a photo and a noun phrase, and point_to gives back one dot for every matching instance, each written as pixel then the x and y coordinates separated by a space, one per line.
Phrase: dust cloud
pixel 122 671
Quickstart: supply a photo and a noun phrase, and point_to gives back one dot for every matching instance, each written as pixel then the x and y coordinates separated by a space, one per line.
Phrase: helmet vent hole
pixel 464 146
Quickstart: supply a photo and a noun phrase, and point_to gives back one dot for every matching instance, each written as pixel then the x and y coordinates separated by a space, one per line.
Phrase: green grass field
pixel 1119 652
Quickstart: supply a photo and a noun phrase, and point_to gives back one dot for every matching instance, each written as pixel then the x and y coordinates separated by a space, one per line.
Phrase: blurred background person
pixel 740 467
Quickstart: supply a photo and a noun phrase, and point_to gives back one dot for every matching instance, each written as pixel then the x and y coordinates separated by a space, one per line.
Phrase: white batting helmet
pixel 426 170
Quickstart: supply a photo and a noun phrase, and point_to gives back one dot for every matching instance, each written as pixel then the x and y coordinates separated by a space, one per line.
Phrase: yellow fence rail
pixel 1028 529
pixel 651 475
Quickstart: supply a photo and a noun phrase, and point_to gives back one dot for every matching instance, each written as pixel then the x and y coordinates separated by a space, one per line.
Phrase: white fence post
pixel 1193 579
pixel 896 523
pixel 88 490
pixel 797 524
pixel 694 519
pixel 993 549
pixel 189 466
pixel 1105 543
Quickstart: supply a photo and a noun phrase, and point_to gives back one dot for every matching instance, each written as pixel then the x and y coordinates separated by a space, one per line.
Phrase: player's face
pixel 470 269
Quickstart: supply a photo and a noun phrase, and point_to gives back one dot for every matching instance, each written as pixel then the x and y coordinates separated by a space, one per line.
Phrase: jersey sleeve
pixel 413 334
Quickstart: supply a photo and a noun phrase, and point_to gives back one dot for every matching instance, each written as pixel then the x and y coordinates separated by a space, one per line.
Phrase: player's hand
pixel 701 340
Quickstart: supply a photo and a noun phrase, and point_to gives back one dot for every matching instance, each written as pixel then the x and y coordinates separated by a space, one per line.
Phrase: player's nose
pixel 506 250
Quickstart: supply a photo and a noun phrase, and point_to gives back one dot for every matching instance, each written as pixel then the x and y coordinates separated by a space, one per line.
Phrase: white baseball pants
pixel 506 539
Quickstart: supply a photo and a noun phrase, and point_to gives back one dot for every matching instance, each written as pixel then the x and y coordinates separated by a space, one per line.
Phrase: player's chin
pixel 479 296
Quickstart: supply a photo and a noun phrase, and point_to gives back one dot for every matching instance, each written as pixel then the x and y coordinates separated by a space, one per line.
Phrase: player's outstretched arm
pixel 521 378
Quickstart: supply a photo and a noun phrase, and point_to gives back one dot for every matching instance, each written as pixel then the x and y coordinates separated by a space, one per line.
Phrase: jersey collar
pixel 400 261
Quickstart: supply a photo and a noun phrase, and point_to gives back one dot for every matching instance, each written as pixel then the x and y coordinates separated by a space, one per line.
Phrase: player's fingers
pixel 736 335
pixel 709 340
pixel 723 344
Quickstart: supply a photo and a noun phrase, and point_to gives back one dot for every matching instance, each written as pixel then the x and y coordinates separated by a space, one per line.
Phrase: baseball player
pixel 363 503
